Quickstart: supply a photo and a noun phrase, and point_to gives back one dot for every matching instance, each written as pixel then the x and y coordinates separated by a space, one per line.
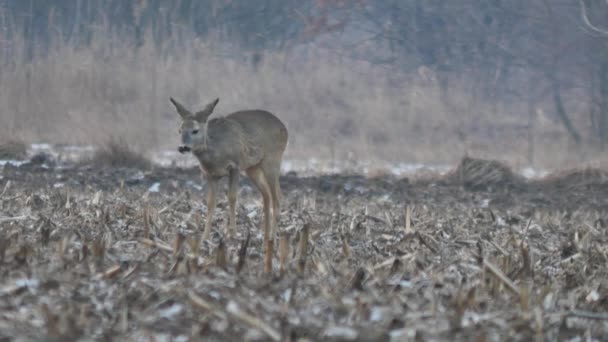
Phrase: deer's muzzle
pixel 184 149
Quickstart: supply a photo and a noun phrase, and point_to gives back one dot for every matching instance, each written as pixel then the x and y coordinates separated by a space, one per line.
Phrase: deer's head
pixel 193 129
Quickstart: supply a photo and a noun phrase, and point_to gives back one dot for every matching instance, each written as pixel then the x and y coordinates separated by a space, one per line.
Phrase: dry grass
pixel 336 108
pixel 116 152
pixel 362 259
pixel 13 150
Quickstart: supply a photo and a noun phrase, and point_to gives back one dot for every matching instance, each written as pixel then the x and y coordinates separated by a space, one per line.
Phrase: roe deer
pixel 249 140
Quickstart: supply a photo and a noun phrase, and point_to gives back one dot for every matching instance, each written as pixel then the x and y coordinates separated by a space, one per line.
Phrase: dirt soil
pixel 479 254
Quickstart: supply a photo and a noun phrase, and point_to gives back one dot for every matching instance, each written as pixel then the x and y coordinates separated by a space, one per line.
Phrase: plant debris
pixel 480 253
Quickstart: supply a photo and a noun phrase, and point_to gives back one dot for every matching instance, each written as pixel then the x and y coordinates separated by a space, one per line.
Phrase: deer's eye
pixel 195 131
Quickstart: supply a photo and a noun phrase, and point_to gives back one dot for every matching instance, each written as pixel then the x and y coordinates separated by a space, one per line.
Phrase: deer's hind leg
pixel 272 171
pixel 233 183
pixel 257 176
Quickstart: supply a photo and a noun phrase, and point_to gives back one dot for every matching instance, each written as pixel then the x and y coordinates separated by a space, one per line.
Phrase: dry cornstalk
pixel 408 220
pixel 129 272
pixel 391 261
pixel 425 243
pixel 283 251
pixel 157 244
pixel 356 281
pixel 51 321
pixel 500 276
pixel 353 222
pixel 243 253
pixel 201 303
pixel 220 255
pixel 268 255
pixel 233 309
pixel 524 297
pixel 111 272
pixel 389 220
pixel 345 246
pixel 571 258
pixel 170 205
pixel 498 248
pixel 6 187
pixel 538 317
pixel 195 244
pixel 303 247
pixel 527 260
pixel 146 223
pixel 98 249
pixel 178 243
pixel 319 266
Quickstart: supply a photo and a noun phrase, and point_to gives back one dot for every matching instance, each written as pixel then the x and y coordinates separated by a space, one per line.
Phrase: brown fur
pixel 252 141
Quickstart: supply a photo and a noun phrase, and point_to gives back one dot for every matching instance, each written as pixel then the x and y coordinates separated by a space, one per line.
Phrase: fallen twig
pixel 233 309
pixel 170 205
pixel 600 316
pixel 16 218
pixel 201 303
pixel 157 244
pixel 501 276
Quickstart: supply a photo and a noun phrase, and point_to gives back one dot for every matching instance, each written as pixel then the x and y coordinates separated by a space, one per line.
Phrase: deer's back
pixel 262 129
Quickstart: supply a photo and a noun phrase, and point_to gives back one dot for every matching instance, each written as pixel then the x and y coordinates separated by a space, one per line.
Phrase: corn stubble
pixel 430 264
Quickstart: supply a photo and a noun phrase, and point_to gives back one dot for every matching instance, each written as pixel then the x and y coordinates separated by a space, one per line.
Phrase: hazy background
pixel 524 81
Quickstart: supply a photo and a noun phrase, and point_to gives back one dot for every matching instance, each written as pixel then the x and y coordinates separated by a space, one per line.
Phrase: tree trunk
pixel 561 111
pixel 531 126
pixel 602 128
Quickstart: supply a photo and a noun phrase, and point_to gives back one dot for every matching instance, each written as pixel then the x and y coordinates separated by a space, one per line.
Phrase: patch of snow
pixel 402 334
pixel 16 163
pixel 593 296
pixel 379 314
pixel 310 166
pixel 286 295
pixel 33 283
pixel 138 176
pixel 501 222
pixel 41 147
pixel 233 307
pixel 171 311
pixel 74 148
pixel 194 185
pixel 530 172
pixel 470 319
pixel 402 283
pixel 345 333
pixel 154 187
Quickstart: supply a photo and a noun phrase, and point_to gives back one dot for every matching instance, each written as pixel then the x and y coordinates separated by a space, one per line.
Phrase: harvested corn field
pixel 477 254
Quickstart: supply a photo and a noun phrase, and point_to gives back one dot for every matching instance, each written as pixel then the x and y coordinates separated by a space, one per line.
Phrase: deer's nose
pixel 184 149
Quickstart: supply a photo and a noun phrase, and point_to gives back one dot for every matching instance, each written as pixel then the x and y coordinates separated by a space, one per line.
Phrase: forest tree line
pixel 512 50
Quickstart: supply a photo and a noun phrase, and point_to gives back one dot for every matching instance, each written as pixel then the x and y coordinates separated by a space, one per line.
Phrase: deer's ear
pixel 205 113
pixel 181 110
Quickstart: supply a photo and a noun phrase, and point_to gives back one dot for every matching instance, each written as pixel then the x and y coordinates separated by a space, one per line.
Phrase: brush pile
pixel 115 254
pixel 480 174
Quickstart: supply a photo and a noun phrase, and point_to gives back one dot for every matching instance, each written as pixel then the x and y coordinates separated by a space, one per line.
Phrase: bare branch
pixel 588 23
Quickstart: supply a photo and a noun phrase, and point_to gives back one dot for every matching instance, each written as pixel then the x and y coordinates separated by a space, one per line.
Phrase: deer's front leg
pixel 233 183
pixel 211 195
